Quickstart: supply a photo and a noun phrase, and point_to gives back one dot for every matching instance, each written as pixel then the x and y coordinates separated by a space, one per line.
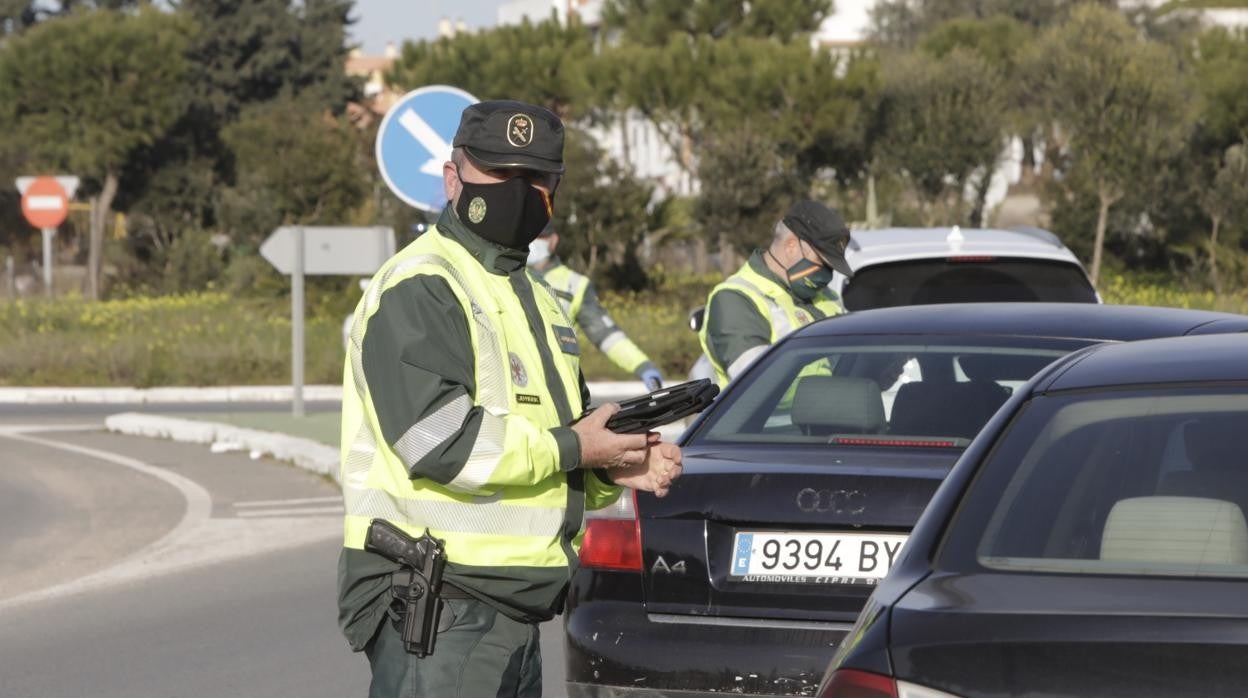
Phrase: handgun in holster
pixel 422 560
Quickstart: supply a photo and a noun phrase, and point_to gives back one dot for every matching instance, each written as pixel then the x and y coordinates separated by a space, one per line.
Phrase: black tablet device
pixel 663 406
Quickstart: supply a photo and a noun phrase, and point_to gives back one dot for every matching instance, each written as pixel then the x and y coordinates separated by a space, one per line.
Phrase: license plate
pixel 818 558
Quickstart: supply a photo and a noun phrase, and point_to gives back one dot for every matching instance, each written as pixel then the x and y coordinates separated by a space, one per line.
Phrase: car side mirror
pixel 696 317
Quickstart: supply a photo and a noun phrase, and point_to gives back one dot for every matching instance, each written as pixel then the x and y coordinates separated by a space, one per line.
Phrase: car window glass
pixel 929 281
pixel 894 393
pixel 1133 482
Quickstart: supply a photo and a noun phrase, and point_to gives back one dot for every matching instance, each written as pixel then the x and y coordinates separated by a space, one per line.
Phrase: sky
pixel 379 21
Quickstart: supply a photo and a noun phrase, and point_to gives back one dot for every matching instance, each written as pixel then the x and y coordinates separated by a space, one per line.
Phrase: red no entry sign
pixel 45 203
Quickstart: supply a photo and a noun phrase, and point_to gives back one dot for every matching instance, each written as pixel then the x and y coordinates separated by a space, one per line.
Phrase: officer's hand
pixel 652 378
pixel 663 465
pixel 603 448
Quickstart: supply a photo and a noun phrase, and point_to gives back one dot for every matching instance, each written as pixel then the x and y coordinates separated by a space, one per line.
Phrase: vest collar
pixel 495 258
pixel 759 266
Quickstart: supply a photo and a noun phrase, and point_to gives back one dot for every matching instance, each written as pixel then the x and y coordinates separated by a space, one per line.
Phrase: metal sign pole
pixel 47 260
pixel 10 277
pixel 296 325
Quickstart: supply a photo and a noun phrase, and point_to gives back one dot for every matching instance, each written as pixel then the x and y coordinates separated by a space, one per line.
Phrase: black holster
pixel 417 586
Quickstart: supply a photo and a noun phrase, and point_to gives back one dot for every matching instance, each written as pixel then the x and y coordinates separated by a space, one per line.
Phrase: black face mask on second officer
pixel 806 278
pixel 510 213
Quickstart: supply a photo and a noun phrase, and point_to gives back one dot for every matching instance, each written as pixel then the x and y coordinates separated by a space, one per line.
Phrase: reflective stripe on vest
pixel 571 287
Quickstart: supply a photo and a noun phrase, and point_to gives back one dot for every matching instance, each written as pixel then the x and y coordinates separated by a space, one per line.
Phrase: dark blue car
pixel 1091 541
pixel 801 486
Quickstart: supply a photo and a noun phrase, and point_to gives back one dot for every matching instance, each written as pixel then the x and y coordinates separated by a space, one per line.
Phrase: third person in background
pixel 779 289
pixel 580 301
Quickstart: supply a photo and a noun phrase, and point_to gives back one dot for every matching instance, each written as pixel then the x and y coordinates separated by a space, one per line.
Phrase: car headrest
pixel 1212 443
pixel 1002 367
pixel 1175 530
pixel 839 404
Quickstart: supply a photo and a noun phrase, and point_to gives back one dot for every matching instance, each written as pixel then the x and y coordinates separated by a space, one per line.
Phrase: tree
pixel 1118 99
pixel 83 93
pixel 600 210
pixel 252 51
pixel 1226 202
pixel 653 22
pixel 296 164
pixel 247 52
pixel 904 22
pixel 539 63
pixel 943 122
pixel 1220 63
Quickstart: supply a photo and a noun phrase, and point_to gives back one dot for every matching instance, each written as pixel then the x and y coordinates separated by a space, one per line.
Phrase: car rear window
pixel 877 391
pixel 967 280
pixel 1129 482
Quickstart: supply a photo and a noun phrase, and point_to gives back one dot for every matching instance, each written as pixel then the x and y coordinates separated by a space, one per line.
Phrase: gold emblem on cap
pixel 476 210
pixel 520 130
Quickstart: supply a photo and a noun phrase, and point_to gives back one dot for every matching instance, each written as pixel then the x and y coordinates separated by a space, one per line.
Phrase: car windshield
pixel 1137 482
pixel 966 280
pixel 903 391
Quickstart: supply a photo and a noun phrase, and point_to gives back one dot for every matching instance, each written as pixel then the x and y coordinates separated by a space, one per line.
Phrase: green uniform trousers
pixel 480 653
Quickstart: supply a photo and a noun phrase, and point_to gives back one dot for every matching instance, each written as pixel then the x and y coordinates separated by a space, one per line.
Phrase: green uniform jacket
pixel 580 301
pixel 426 438
pixel 737 326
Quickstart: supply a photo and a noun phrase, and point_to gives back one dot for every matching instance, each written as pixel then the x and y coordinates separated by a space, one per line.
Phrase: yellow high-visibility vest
pixel 482 525
pixel 774 302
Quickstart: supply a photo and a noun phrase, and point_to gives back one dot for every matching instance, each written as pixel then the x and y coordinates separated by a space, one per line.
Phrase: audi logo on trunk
pixel 812 501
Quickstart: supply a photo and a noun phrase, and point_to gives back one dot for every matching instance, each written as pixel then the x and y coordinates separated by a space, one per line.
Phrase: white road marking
pixel 198 507
pixel 195 541
pixel 274 513
pixel 286 502
pixel 24 428
pixel 439 150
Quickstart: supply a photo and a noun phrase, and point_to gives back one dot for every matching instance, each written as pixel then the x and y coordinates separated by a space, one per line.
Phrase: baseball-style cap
pixel 506 133
pixel 823 229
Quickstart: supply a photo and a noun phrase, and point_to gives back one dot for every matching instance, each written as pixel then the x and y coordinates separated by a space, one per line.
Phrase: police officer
pixel 460 388
pixel 778 289
pixel 580 301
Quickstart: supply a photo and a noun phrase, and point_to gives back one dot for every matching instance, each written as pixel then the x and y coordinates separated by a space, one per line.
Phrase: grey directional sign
pixel 330 250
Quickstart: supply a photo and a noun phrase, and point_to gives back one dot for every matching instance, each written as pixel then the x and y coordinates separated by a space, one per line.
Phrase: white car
pixel 921 266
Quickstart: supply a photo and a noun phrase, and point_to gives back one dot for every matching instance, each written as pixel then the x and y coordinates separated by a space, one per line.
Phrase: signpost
pixel 45 204
pixel 327 251
pixel 414 140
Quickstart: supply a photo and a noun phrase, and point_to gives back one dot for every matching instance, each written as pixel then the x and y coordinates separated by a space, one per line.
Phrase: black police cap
pixel 823 229
pixel 504 133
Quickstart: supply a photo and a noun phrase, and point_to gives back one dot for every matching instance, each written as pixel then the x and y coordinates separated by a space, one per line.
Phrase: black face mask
pixel 510 213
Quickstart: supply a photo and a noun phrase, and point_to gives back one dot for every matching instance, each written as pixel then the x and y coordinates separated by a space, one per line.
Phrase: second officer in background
pixel 580 301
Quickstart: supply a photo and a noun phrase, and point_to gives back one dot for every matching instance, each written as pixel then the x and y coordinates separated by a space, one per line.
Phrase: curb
pixel 157 396
pixel 603 391
pixel 304 453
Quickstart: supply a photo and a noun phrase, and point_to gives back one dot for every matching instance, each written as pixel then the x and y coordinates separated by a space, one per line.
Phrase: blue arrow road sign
pixel 415 139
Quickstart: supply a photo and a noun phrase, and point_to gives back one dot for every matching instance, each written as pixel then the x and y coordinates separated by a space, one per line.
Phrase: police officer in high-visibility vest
pixel 580 301
pixel 460 389
pixel 778 289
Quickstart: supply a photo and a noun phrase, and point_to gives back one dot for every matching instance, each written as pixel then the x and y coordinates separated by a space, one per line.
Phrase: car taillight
pixel 852 683
pixel 613 536
pixel 970 258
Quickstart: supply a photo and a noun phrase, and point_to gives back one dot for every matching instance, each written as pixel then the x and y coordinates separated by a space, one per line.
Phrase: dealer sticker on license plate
pixel 818 558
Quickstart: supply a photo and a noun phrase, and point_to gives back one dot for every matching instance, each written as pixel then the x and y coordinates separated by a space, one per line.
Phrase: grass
pixel 211 338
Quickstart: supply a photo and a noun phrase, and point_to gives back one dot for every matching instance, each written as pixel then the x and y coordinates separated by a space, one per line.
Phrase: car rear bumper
pixel 616 649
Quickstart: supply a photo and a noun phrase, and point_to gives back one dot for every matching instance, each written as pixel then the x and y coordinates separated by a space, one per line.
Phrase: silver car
pixel 922 266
